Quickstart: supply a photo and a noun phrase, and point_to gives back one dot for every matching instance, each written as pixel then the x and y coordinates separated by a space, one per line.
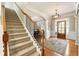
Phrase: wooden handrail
pixel 5 34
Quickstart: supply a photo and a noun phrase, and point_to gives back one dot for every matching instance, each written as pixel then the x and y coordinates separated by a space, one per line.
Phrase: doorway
pixel 61 29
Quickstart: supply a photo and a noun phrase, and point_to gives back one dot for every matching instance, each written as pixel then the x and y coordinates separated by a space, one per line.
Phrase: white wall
pixel 72 29
pixel 9 5
pixel 52 30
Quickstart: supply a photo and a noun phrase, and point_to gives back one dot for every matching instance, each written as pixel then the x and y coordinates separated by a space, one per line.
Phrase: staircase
pixel 20 43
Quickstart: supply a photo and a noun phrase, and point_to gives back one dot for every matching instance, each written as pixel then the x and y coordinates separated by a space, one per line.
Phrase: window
pixel 61 27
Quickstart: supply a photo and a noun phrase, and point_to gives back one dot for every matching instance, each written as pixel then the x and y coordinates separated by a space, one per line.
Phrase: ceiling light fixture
pixel 56 15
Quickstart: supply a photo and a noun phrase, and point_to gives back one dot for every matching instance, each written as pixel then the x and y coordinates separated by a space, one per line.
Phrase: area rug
pixel 57 45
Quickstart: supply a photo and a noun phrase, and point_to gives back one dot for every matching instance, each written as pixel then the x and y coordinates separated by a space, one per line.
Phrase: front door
pixel 61 29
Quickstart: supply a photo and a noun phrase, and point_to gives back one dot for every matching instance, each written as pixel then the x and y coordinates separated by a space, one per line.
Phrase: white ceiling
pixel 49 7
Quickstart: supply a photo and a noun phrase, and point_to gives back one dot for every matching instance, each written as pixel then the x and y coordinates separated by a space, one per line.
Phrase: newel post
pixel 5 34
pixel 43 40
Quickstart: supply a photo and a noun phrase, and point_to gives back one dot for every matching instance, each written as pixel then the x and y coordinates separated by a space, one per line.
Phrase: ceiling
pixel 50 7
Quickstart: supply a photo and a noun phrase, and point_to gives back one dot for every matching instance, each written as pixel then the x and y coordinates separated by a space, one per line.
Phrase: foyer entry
pixel 61 29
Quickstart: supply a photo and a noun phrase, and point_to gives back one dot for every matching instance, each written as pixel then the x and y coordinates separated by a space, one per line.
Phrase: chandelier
pixel 56 14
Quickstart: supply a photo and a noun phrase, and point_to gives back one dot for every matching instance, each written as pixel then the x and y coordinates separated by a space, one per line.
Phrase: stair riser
pixel 17 36
pixel 11 27
pixel 16 21
pixel 15 27
pixel 14 24
pixel 13 16
pixel 18 41
pixel 9 17
pixel 33 54
pixel 29 52
pixel 10 13
pixel 16 50
pixel 18 31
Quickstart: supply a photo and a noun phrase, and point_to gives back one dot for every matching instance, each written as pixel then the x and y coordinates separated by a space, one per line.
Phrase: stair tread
pixel 13 20
pixel 18 38
pixel 17 33
pixel 15 29
pixel 19 44
pixel 9 23
pixel 24 51
pixel 35 54
pixel 14 26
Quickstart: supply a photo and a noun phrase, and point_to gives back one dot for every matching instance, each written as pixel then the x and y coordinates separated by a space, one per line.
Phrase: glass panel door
pixel 61 29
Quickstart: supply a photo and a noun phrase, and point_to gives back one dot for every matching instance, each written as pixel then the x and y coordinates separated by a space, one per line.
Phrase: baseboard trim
pixel 70 39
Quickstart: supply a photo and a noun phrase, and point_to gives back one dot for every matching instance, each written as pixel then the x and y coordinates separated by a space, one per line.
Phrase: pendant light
pixel 56 14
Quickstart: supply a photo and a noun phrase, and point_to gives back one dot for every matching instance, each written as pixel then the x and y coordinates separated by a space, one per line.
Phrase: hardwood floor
pixel 72 50
pixel 48 52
